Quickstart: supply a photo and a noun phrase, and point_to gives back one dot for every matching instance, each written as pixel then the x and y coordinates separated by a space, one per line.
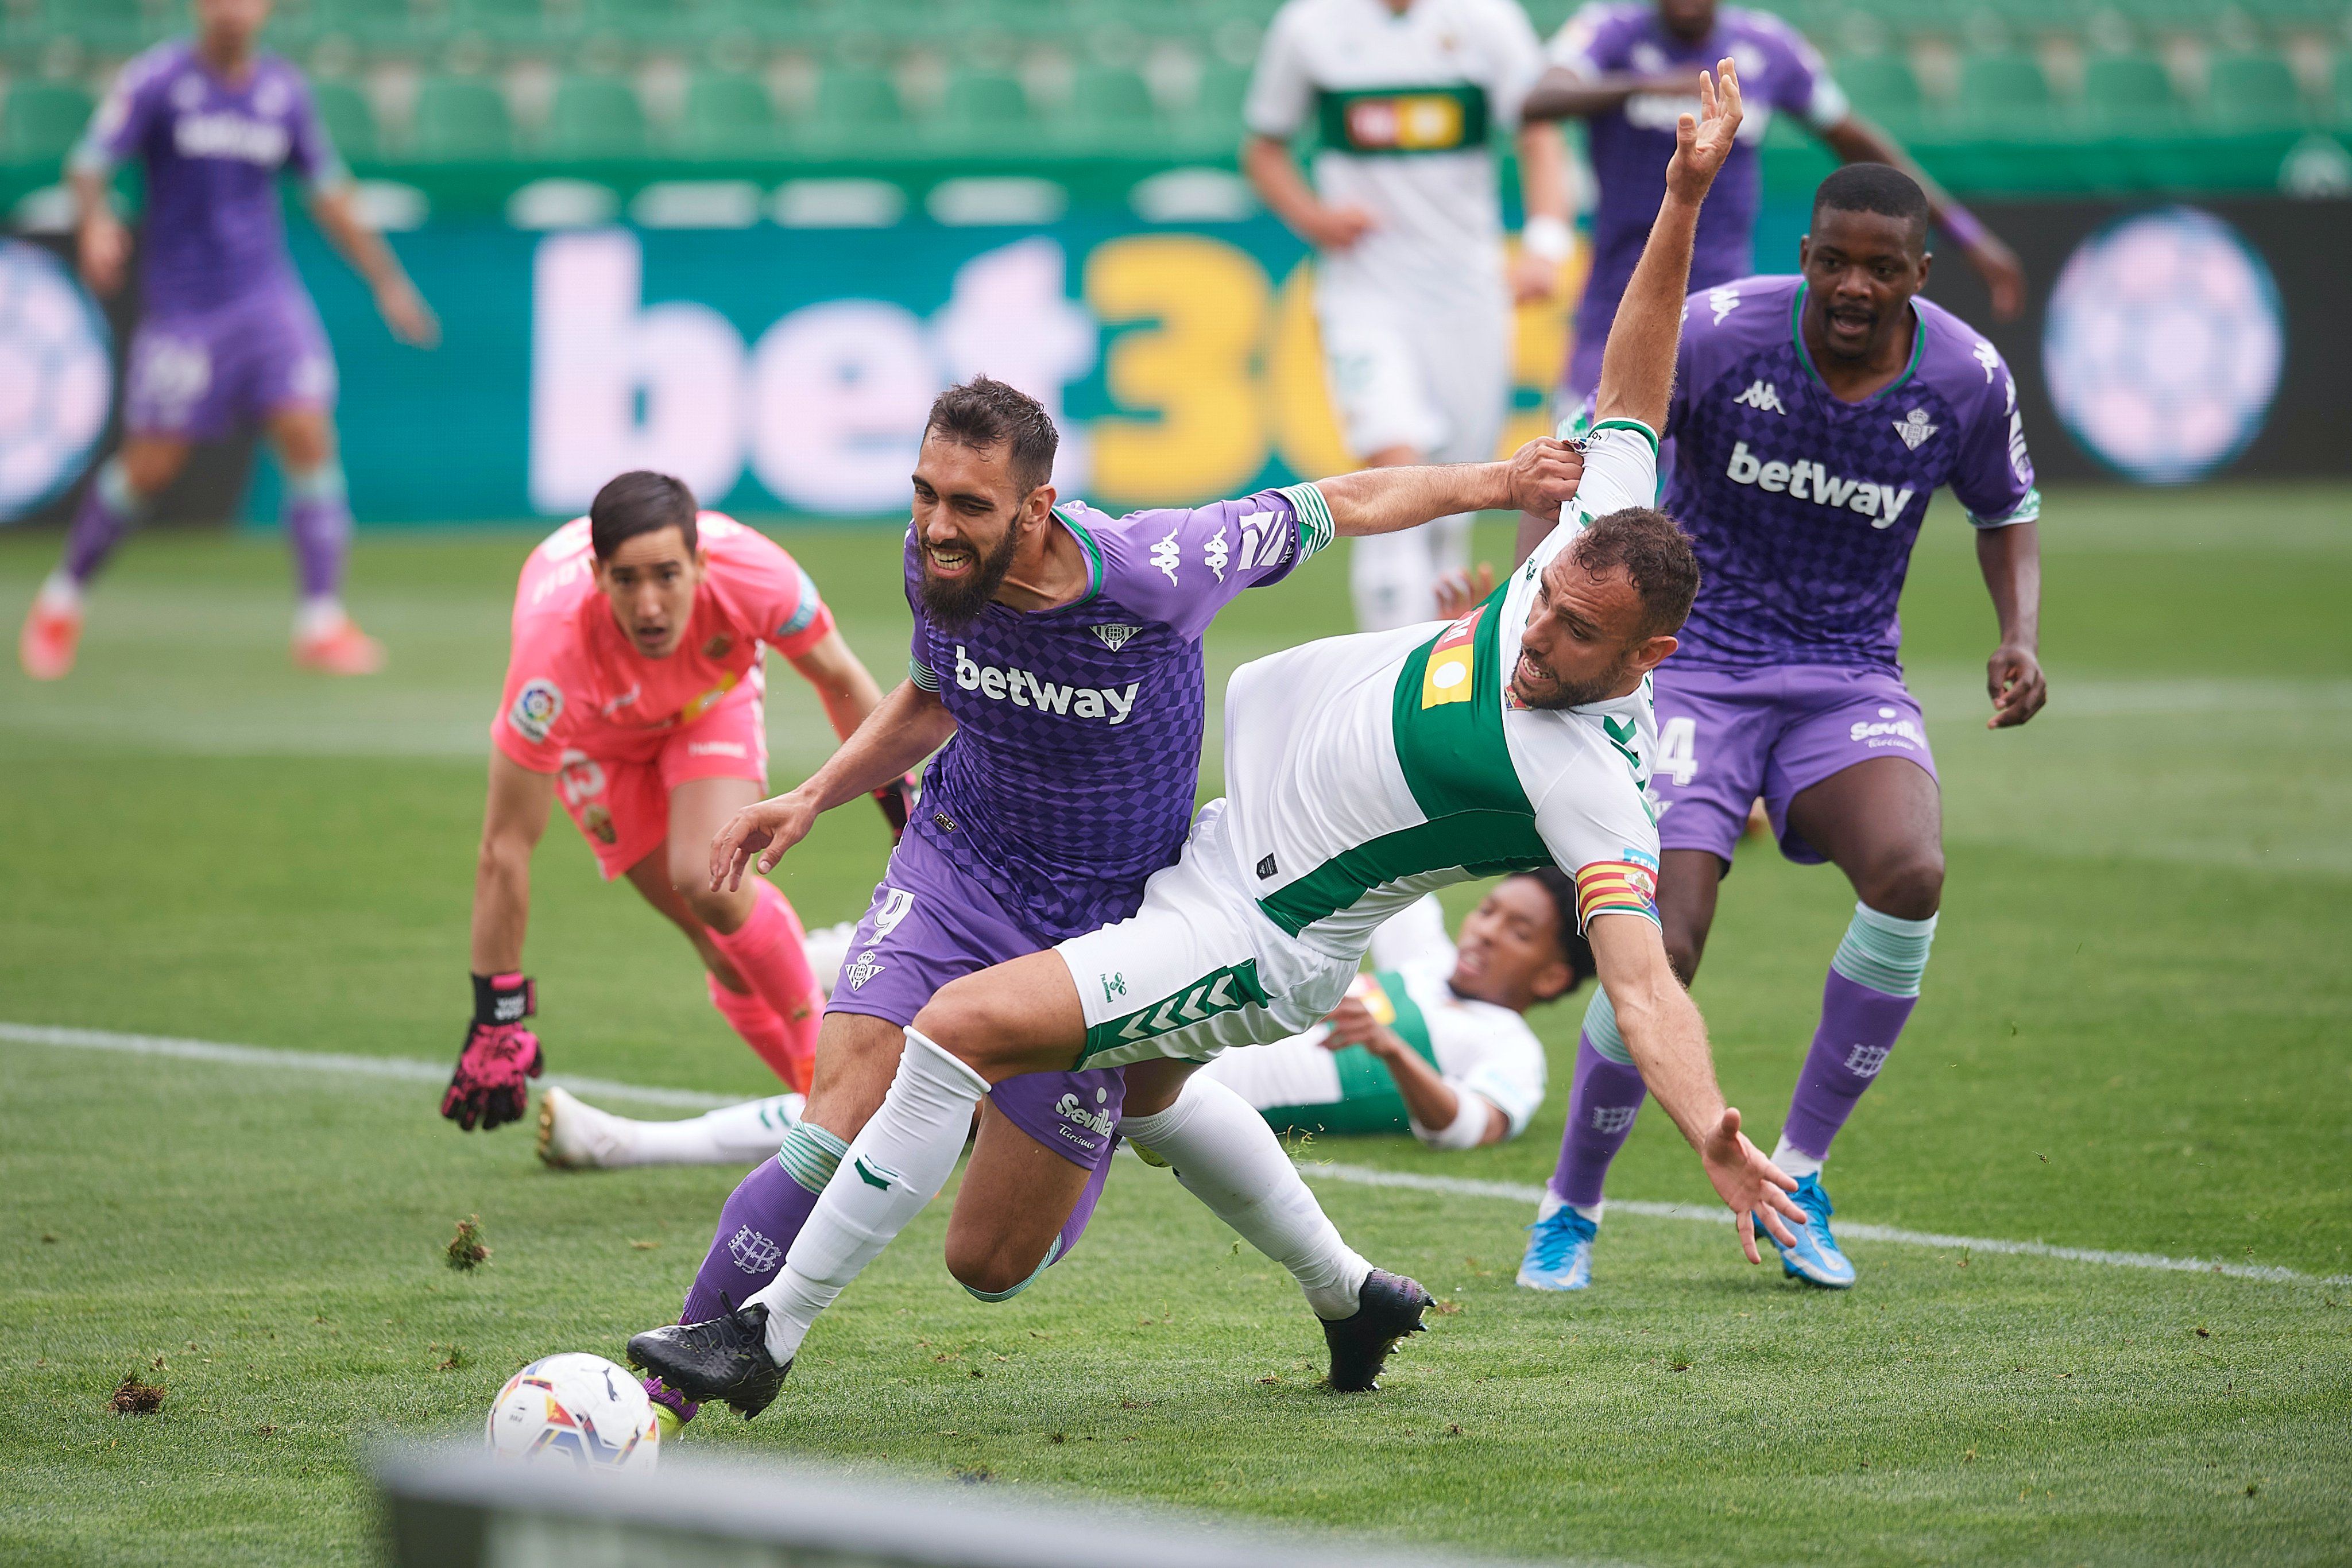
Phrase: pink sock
pixel 768 1036
pixel 766 951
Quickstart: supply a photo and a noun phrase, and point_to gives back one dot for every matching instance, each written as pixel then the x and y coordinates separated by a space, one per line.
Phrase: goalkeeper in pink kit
pixel 634 694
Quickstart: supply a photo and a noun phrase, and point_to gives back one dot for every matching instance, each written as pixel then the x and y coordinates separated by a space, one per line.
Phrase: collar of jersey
pixel 1094 559
pixel 1805 357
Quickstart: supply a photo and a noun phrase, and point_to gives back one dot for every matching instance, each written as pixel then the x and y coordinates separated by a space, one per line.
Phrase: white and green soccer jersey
pixel 1364 771
pixel 1360 773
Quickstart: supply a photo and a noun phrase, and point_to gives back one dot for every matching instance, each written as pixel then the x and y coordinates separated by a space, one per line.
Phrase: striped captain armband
pixel 1314 517
pixel 1617 887
pixel 922 674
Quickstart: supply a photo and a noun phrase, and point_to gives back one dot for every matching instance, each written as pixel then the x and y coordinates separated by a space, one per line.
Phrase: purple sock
pixel 756 1228
pixel 1859 1027
pixel 319 529
pixel 1600 1108
pixel 99 525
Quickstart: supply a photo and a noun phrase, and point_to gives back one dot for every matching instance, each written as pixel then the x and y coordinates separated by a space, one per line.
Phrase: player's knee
pixel 987 1266
pixel 723 910
pixel 961 1019
pixel 1909 885
pixel 146 470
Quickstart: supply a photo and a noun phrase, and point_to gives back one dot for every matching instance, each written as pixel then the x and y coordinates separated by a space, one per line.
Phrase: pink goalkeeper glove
pixel 488 1086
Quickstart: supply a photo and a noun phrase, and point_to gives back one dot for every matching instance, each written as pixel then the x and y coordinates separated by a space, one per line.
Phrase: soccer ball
pixel 575 1409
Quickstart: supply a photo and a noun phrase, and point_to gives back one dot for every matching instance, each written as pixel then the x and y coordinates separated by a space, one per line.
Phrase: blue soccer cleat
pixel 1815 1259
pixel 1559 1251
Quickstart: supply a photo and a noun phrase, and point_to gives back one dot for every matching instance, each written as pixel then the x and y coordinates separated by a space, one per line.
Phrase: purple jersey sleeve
pixel 1798 79
pixel 1993 475
pixel 1180 566
pixel 1595 40
pixel 311 152
pixel 128 112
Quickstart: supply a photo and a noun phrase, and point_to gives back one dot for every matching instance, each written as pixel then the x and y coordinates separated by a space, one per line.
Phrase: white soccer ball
pixel 575 1409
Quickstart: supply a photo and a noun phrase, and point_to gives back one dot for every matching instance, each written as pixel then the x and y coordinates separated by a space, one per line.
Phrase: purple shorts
pixel 1725 736
pixel 202 375
pixel 928 924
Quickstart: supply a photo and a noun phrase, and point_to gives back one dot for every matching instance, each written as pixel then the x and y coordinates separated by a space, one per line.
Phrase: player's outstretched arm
pixel 1539 477
pixel 1857 140
pixel 1668 1041
pixel 843 683
pixel 1637 367
pixel 402 308
pixel 488 1088
pixel 2010 558
pixel 904 727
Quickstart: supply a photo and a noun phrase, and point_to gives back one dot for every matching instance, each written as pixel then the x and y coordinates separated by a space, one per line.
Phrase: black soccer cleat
pixel 1388 1307
pixel 724 1359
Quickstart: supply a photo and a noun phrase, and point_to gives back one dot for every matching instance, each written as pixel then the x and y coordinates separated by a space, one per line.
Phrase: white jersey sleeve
pixel 1281 92
pixel 1597 828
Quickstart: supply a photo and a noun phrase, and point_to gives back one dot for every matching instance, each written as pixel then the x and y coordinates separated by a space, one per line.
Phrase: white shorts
pixel 1430 374
pixel 1198 968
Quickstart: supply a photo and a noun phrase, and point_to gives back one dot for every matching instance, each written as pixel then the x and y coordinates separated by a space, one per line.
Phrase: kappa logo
pixel 1988 357
pixel 1764 395
pixel 753 1253
pixel 864 969
pixel 1213 554
pixel 1166 556
pixel 1723 302
pixel 1114 636
pixel 1611 1120
pixel 1913 428
pixel 1864 1060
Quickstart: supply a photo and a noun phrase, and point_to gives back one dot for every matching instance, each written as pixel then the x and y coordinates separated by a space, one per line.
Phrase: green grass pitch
pixel 2137 1035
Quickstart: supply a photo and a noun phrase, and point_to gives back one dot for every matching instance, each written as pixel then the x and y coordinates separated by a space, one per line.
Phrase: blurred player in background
pixel 1627 68
pixel 1812 418
pixel 1433 1041
pixel 1410 292
pixel 227 335
pixel 635 691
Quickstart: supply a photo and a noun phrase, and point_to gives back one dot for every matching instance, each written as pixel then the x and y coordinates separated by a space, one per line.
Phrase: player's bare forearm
pixel 1856 140
pixel 843 683
pixel 2010 559
pixel 1434 1103
pixel 513 819
pixel 1390 500
pixel 1275 176
pixel 1563 95
pixel 902 728
pixel 93 193
pixel 352 238
pixel 1543 174
pixel 1637 366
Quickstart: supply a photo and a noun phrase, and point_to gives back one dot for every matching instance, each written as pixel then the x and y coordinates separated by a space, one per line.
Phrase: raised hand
pixel 1543 476
pixel 767 829
pixel 1703 143
pixel 1460 591
pixel 404 311
pixel 1752 1187
pixel 105 245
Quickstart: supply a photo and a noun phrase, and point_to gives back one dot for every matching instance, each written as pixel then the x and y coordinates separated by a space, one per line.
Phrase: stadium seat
pixel 388 26
pixel 2129 91
pixel 665 22
pixel 349 119
pixel 852 99
pixel 43 119
pixel 107 26
pixel 595 117
pixel 2253 91
pixel 728 115
pixel 1883 88
pixel 461 117
pixel 2005 93
pixel 519 24
pixel 987 104
pixel 1217 106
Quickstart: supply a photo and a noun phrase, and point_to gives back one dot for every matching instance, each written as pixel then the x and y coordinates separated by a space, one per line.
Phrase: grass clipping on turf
pixel 136 1396
pixel 467 1251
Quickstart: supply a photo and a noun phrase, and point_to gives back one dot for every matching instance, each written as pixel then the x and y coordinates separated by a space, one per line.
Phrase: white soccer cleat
pixel 828 948
pixel 575 1136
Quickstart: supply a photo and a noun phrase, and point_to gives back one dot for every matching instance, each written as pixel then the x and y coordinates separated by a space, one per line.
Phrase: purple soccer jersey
pixel 212 153
pixel 1076 754
pixel 1804 508
pixel 1778 73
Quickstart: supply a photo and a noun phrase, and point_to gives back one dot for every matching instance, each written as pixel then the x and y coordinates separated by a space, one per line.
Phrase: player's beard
pixel 1580 694
pixel 956 605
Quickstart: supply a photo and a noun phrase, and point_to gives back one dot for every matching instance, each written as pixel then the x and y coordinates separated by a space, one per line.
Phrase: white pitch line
pixel 1366 1176
pixel 408 1070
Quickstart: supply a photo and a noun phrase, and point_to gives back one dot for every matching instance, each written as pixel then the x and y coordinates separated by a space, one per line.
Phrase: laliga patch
pixel 536 708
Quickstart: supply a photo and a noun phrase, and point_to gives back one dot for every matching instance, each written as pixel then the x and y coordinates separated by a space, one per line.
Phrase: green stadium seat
pixel 1112 97
pixel 2005 90
pixel 519 24
pixel 43 119
pixel 983 107
pixel 461 117
pixel 392 27
pixel 349 119
pixel 851 99
pixel 2253 91
pixel 665 22
pixel 595 117
pixel 107 26
pixel 1217 105
pixel 1883 88
pixel 727 116
pixel 2129 91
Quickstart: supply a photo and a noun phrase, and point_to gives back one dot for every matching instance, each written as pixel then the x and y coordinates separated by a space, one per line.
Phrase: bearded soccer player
pixel 1362 773
pixel 1627 68
pixel 228 335
pixel 1814 417
pixel 634 693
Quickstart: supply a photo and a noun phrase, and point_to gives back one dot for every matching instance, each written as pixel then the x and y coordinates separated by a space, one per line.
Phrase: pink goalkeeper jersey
pixel 574 682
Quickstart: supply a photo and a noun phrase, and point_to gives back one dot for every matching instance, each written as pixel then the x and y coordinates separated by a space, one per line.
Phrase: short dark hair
pixel 641 502
pixel 1874 188
pixel 984 412
pixel 1573 948
pixel 1653 551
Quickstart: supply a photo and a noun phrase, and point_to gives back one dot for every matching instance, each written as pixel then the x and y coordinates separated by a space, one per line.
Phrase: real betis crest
pixel 1114 636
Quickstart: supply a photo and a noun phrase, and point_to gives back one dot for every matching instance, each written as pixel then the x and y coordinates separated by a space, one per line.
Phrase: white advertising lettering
pixel 1023 689
pixel 1808 481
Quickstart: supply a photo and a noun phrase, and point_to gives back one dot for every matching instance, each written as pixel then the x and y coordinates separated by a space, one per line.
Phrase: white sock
pixel 1227 1156
pixel 1552 1203
pixel 61 592
pixel 731 1136
pixel 892 1169
pixel 1794 1160
pixel 318 615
